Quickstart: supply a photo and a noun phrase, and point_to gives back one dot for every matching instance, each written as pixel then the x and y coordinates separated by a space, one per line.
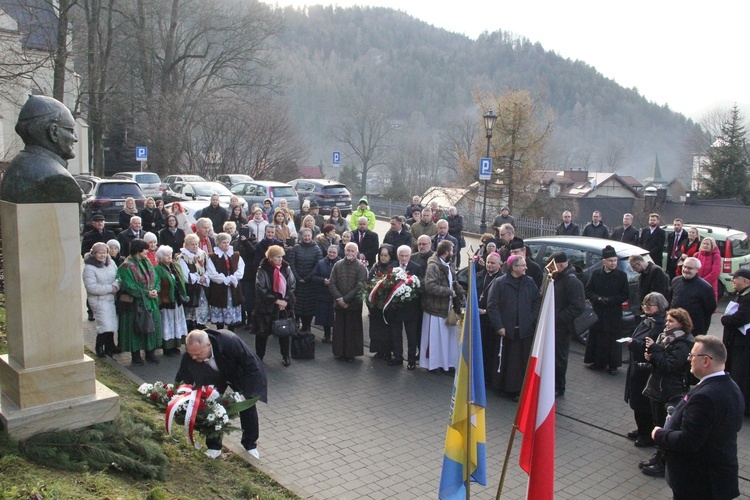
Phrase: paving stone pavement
pixel 365 430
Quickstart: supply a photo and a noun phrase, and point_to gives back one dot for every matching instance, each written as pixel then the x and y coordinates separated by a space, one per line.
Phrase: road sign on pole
pixel 336 158
pixel 485 169
pixel 141 153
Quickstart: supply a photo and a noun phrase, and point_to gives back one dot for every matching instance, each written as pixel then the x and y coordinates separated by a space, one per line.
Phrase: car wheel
pixel 582 338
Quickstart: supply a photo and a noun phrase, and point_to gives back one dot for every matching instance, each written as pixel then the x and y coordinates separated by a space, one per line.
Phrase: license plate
pixel 341 204
pixel 119 203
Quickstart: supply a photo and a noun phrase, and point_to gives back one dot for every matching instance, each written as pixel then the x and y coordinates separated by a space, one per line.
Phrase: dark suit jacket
pixel 571 230
pixel 369 246
pixel 629 235
pixel 672 263
pixel 239 367
pixel 398 239
pixel 701 441
pixel 447 237
pixel 93 236
pixel 654 243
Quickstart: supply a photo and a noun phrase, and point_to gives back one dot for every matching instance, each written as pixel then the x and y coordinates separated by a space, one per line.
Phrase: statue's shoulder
pixel 37 178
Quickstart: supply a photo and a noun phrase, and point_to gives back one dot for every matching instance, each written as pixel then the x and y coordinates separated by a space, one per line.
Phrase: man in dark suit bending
pixel 222 359
pixel 701 438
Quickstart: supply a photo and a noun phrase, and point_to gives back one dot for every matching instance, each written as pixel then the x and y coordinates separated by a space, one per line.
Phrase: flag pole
pixel 469 379
pixel 550 277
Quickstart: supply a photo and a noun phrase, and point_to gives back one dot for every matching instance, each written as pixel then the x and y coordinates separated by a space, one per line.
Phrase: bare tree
pixel 612 156
pixel 365 131
pixel 521 133
pixel 188 52
pixel 456 149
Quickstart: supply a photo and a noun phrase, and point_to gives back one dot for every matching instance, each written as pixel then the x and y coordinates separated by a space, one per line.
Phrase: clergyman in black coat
pixel 222 359
pixel 700 440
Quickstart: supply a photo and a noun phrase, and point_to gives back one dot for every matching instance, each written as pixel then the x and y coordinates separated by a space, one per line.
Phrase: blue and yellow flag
pixel 465 439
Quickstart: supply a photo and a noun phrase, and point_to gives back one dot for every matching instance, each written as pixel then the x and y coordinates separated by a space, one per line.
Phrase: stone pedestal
pixel 46 382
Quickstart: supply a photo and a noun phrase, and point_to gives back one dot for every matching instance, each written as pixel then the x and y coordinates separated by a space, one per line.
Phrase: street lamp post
pixel 489 125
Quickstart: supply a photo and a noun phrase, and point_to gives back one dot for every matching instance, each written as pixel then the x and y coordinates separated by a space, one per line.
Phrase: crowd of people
pixel 268 266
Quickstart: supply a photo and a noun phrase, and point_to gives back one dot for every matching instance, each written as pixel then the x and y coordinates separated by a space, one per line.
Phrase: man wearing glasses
pixel 700 440
pixel 695 295
pixel 735 336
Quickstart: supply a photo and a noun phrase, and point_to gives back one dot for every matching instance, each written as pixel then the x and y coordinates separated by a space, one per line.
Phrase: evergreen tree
pixel 725 173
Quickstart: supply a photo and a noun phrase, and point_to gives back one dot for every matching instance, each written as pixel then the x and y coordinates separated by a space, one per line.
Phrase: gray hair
pixel 403 248
pixel 304 230
pixel 222 237
pixel 656 299
pixel 507 227
pixel 692 260
pixel 228 224
pixel 149 237
pixel 205 221
pixel 162 252
pixel 199 337
pixel 135 218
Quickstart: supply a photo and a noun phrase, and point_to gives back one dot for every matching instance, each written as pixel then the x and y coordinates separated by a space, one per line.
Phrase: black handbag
pixel 194 297
pixel 586 319
pixel 303 346
pixel 284 327
pixel 144 320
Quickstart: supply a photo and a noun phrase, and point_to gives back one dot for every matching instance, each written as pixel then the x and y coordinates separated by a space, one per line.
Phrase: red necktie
pixel 361 237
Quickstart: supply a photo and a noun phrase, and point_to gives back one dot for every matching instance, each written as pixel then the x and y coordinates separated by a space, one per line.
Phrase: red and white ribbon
pixel 193 396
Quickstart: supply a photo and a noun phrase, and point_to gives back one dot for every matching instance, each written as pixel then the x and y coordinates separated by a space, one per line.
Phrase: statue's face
pixel 63 136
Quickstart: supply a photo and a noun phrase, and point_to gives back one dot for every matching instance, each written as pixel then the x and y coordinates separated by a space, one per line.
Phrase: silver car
pixel 148 181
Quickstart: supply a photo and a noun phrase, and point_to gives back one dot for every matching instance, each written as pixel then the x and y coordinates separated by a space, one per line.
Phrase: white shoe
pixel 213 453
pixel 254 453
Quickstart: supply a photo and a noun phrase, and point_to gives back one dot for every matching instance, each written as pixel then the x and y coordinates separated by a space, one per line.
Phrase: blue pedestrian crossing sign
pixel 485 169
pixel 141 153
pixel 337 157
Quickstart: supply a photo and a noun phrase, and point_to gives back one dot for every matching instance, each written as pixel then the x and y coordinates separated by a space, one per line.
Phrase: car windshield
pixel 338 189
pixel 210 188
pixel 116 190
pixel 147 179
pixel 739 244
pixel 284 192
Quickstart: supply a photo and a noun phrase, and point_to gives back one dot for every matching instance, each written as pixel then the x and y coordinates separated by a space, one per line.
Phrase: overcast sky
pixel 690 55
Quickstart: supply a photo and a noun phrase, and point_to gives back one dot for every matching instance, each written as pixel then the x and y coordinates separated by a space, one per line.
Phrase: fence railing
pixel 526 227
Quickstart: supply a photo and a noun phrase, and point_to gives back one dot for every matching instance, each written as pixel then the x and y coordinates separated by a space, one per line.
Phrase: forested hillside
pixel 424 77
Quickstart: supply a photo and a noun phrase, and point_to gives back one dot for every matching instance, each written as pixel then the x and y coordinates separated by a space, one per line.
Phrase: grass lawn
pixel 189 473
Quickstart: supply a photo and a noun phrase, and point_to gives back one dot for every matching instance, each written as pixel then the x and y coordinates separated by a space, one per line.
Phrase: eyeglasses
pixel 691 355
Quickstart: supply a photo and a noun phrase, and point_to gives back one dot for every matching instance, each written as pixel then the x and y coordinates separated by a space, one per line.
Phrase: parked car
pixel 108 197
pixel 586 255
pixel 194 191
pixel 230 180
pixel 172 179
pixel 148 181
pixel 326 193
pixel 733 246
pixel 257 191
pixel 86 182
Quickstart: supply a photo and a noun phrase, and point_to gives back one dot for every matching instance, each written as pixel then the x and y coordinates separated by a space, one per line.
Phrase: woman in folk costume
pixel 172 296
pixel 225 270
pixel 192 261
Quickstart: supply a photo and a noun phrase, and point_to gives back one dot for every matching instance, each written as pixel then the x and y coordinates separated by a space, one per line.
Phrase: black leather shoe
pixel 326 340
pixel 644 442
pixel 396 362
pixel 151 357
pixel 613 371
pixel 656 470
pixel 633 435
pixel 379 355
pixel 286 362
pixel 136 358
pixel 91 316
pixel 647 463
pixel 411 366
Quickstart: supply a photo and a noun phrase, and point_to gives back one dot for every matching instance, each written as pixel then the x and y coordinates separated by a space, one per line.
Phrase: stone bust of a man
pixel 38 173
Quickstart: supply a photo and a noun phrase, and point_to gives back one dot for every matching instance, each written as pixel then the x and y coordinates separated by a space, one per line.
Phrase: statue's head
pixel 48 123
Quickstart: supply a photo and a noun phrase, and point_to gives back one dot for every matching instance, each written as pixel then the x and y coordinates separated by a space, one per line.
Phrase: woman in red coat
pixel 688 248
pixel 710 258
